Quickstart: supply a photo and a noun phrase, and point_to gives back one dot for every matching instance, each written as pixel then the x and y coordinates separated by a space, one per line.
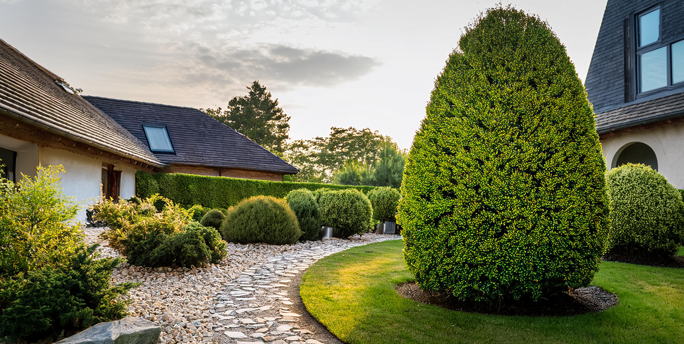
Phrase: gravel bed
pixel 242 299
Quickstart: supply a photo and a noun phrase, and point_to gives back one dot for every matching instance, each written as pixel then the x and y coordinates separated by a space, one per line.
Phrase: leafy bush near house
pixel 349 212
pixel 195 245
pixel 49 280
pixel 219 192
pixel 318 193
pixel 303 204
pixel 198 212
pixel 213 218
pixel 71 296
pixel 261 219
pixel 385 201
pixel 504 195
pixel 647 217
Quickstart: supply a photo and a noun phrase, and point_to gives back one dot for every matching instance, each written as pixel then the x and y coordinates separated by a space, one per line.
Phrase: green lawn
pixel 352 293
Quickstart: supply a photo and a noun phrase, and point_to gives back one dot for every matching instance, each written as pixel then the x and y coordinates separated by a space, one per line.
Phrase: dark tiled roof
pixel 197 138
pixel 30 94
pixel 642 113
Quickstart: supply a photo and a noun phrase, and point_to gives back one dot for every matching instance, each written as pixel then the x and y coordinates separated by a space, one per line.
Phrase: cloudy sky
pixel 361 63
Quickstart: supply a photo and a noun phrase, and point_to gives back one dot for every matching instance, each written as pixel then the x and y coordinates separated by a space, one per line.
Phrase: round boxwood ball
pixel 647 217
pixel 261 219
pixel 304 205
pixel 504 194
pixel 213 218
pixel 348 211
pixel 385 201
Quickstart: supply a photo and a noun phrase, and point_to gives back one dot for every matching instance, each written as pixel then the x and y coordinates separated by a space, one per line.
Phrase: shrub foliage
pixel 647 217
pixel 261 219
pixel 504 190
pixel 303 204
pixel 349 212
pixel 385 201
pixel 213 218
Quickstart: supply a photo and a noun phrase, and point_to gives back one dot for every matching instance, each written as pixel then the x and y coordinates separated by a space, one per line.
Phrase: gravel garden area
pixel 243 299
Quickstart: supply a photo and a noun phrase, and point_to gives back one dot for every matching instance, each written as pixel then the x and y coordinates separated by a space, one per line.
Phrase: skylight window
pixel 158 139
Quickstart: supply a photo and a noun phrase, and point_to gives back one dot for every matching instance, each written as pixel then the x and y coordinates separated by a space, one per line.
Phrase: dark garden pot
pixel 326 233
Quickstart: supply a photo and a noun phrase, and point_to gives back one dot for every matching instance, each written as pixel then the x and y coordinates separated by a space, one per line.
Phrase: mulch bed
pixel 578 301
pixel 664 262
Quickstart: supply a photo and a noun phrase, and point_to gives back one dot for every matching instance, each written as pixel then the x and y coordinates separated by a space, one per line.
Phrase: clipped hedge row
pixel 219 192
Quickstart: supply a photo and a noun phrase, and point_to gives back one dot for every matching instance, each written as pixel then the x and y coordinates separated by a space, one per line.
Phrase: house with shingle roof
pixel 102 143
pixel 636 85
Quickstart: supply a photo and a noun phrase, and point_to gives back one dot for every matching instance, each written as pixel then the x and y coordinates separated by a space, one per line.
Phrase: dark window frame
pixel 149 144
pixel 636 52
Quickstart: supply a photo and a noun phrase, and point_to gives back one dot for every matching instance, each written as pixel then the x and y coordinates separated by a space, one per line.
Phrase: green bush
pixel 213 218
pixel 303 204
pixel 261 219
pixel 195 245
pixel 647 217
pixel 385 201
pixel 349 212
pixel 198 212
pixel 219 192
pixel 504 192
pixel 72 296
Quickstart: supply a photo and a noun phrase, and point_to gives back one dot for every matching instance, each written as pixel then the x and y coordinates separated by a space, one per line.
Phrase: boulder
pixel 130 330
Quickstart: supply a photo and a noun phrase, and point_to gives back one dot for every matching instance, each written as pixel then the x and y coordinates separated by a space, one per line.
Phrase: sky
pixel 360 63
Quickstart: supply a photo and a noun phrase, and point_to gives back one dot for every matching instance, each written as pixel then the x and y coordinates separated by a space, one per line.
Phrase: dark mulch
pixel 578 301
pixel 665 262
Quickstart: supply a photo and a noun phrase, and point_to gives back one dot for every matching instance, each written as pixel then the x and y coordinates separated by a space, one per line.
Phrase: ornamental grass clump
pixel 504 194
pixel 385 201
pixel 349 212
pixel 261 219
pixel 304 205
pixel 647 216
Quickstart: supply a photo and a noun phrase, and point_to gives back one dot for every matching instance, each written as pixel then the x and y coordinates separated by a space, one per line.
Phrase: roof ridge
pixel 139 102
pixel 34 63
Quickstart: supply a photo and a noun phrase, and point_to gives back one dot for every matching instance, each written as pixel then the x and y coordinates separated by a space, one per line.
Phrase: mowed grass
pixel 352 294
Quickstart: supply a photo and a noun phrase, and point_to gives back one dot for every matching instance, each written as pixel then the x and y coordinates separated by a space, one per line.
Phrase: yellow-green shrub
pixel 261 219
pixel 385 201
pixel 504 192
pixel 349 212
pixel 304 205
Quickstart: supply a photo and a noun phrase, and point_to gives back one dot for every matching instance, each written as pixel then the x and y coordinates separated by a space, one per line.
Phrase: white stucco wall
pixel 127 181
pixel 81 179
pixel 27 155
pixel 667 142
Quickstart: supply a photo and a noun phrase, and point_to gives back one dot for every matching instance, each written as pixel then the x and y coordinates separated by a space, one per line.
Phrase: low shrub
pixel 303 204
pixel 72 296
pixel 195 245
pixel 213 218
pixel 261 219
pixel 647 213
pixel 385 202
pixel 198 212
pixel 349 212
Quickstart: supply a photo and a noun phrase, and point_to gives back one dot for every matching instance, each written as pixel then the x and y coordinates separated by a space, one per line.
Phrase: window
pixel 8 161
pixel 158 139
pixel 659 64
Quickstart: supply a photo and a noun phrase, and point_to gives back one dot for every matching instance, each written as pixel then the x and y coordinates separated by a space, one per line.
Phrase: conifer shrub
pixel 213 218
pixel 504 195
pixel 198 212
pixel 349 212
pixel 303 204
pixel 385 201
pixel 261 219
pixel 647 217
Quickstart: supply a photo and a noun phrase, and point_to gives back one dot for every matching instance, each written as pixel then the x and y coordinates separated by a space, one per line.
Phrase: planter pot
pixel 387 227
pixel 379 229
pixel 326 233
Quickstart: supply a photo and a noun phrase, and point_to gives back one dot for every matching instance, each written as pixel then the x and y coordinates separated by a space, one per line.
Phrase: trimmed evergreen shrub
pixel 219 192
pixel 349 212
pixel 261 219
pixel 385 201
pixel 71 296
pixel 504 190
pixel 198 212
pixel 195 245
pixel 213 218
pixel 647 217
pixel 303 204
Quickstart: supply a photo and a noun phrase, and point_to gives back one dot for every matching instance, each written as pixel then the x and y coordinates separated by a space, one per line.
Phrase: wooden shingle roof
pixel 643 113
pixel 197 138
pixel 30 94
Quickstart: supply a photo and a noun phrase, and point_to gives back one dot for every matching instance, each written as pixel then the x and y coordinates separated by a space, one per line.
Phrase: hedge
pixel 219 192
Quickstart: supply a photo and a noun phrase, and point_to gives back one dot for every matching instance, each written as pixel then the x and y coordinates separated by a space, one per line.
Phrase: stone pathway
pixel 242 299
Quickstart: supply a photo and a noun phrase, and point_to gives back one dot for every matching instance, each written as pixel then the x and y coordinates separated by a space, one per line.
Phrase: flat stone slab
pixel 130 330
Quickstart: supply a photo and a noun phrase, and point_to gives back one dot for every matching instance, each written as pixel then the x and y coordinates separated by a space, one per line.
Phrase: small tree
pixel 504 194
pixel 258 117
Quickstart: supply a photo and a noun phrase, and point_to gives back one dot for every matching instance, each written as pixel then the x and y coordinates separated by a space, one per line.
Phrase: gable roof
pixel 30 94
pixel 640 114
pixel 197 138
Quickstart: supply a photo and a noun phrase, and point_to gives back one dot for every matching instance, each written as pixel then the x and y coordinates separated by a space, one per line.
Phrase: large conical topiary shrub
pixel 504 192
